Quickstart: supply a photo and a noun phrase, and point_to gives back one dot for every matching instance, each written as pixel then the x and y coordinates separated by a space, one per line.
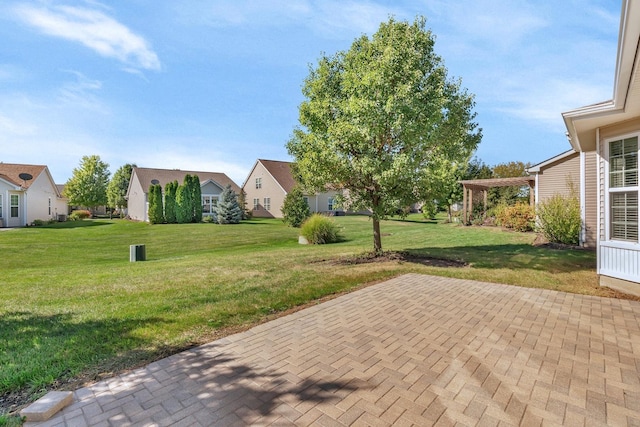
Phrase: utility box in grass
pixel 137 253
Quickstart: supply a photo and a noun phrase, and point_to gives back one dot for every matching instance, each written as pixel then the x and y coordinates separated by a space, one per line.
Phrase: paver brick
pixel 415 350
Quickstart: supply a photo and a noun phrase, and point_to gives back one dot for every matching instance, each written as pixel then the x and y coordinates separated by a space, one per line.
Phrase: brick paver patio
pixel 415 350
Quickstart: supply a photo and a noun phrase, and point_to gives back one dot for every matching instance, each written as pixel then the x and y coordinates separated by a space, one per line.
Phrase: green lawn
pixel 73 306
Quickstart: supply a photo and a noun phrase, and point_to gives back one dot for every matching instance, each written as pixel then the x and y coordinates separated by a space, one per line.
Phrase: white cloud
pixel 492 24
pixel 93 29
pixel 543 103
pixel 331 18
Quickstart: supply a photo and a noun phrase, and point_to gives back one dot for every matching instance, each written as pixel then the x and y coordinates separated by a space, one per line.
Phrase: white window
pixel 209 203
pixel 0 205
pixel 623 189
pixel 258 182
pixel 330 203
pixel 15 206
pixel 267 203
pixel 49 206
pixel 256 204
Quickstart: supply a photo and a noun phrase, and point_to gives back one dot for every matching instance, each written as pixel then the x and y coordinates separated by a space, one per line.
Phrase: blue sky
pixel 214 85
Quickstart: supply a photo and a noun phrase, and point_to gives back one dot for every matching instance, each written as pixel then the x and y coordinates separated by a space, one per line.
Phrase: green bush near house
pixel 295 209
pixel 560 220
pixel 79 215
pixel 519 217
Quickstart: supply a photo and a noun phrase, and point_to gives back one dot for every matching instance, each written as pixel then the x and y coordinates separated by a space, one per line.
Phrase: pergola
pixel 471 185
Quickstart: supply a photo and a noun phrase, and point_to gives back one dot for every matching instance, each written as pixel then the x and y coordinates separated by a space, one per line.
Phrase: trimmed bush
pixel 196 197
pixel 184 208
pixel 170 202
pixel 156 211
pixel 318 230
pixel 295 209
pixel 559 219
pixel 519 217
pixel 79 215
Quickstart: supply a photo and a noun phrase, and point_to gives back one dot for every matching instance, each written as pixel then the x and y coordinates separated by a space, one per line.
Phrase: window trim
pixel 212 201
pixel 610 190
pixel 267 203
pixel 256 204
pixel 12 206
pixel 258 183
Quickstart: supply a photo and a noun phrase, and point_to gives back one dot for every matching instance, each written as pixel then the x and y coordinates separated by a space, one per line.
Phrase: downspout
pixel 583 195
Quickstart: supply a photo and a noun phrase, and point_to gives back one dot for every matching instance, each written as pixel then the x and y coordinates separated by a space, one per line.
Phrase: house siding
pixel 557 178
pixel 269 189
pixel 137 202
pixel 38 195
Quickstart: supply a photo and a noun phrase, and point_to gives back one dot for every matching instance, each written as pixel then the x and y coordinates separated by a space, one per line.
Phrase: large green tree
pixel 118 186
pixel 381 120
pixel 88 185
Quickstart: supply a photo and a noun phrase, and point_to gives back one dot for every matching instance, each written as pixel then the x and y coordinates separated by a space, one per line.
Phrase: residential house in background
pixel 27 193
pixel 567 173
pixel 268 184
pixel 606 137
pixel 212 184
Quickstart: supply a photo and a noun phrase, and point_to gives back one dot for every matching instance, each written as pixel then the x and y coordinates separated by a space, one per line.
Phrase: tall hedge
pixel 184 206
pixel 196 198
pixel 156 213
pixel 170 202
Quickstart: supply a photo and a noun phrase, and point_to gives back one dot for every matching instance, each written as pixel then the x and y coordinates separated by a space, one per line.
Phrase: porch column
pixel 470 200
pixel 464 204
pixel 484 197
pixel 532 194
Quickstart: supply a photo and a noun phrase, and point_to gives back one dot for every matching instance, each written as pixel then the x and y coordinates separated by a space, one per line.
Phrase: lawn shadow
pixel 39 352
pixel 513 256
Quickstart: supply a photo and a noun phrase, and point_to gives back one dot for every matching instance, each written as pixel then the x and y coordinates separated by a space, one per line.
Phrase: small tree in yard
pixel 88 185
pixel 118 186
pixel 156 213
pixel 228 210
pixel 170 202
pixel 295 209
pixel 379 121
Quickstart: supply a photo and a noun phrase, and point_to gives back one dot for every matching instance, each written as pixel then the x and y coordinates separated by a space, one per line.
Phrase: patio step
pixel 44 408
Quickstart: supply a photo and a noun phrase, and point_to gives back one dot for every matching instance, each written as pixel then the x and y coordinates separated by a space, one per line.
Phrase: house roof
pixel 164 176
pixel 11 172
pixel 281 172
pixel 561 156
pixel 582 123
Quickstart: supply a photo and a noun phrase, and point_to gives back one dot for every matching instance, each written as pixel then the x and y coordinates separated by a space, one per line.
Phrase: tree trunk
pixel 377 238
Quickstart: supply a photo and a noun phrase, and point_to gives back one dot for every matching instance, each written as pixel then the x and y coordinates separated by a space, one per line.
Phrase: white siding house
pixel 27 193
